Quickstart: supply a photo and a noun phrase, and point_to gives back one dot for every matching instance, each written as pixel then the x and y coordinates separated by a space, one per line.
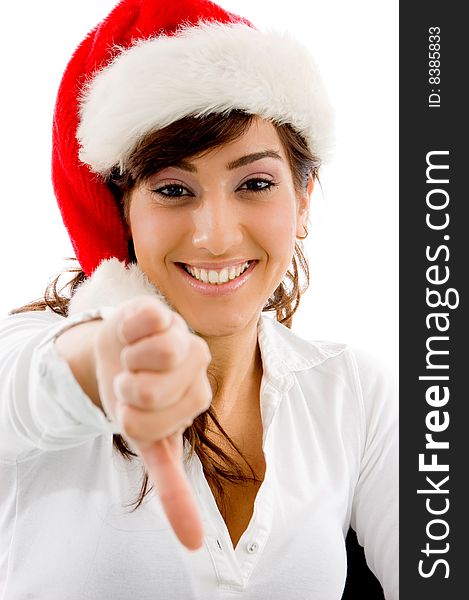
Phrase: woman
pixel 186 147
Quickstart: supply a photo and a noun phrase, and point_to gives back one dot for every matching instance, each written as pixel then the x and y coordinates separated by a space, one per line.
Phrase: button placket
pixel 216 538
pixel 249 550
pixel 235 566
pixel 252 547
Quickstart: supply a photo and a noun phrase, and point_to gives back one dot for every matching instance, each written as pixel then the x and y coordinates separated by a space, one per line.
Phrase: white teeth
pixel 213 277
pixel 217 277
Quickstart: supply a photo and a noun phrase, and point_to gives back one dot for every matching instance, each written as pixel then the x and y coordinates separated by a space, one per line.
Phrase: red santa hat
pixel 147 65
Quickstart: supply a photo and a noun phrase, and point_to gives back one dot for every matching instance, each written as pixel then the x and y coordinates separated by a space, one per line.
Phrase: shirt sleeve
pixel 42 406
pixel 375 507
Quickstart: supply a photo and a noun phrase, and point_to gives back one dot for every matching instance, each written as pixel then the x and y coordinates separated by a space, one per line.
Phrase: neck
pixel 237 369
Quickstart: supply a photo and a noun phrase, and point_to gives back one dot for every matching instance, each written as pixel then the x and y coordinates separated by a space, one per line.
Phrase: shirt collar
pixel 284 352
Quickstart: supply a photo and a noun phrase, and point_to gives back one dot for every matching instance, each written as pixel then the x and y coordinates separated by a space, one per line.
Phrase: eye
pixel 172 190
pixel 258 184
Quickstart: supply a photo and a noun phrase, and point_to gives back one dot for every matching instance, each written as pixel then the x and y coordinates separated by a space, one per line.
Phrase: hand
pixel 152 380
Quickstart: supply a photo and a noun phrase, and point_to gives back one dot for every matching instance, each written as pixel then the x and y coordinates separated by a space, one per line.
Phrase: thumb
pixel 163 460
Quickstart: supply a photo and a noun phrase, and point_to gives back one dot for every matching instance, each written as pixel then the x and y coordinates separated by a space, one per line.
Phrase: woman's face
pixel 216 233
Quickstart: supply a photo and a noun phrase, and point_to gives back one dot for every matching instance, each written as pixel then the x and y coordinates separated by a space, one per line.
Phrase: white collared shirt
pixel 329 417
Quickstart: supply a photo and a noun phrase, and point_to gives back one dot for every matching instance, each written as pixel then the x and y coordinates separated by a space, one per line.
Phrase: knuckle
pixel 168 355
pixel 158 311
pixel 146 312
pixel 146 395
pixel 209 396
pixel 185 424
pixel 202 350
pixel 207 354
pixel 200 403
pixel 129 423
pixel 122 384
pixel 143 315
pixel 127 358
pixel 125 387
pixel 179 322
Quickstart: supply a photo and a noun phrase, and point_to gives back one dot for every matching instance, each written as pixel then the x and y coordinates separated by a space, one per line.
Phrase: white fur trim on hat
pixel 210 68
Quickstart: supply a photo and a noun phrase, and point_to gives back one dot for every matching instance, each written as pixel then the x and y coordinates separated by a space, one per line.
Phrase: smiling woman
pixel 225 212
pixel 158 408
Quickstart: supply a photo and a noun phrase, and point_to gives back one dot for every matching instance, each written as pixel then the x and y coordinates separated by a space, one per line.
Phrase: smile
pixel 217 282
pixel 217 276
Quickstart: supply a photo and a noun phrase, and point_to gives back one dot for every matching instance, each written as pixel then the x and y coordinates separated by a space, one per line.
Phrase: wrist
pixel 76 346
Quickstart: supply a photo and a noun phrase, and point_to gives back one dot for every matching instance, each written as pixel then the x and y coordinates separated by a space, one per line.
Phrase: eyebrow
pixel 235 164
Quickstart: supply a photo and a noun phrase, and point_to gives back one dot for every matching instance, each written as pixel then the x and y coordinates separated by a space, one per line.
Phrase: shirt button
pixel 220 547
pixel 253 547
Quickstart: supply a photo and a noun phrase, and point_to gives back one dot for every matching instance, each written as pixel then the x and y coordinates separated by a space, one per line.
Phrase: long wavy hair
pixel 186 138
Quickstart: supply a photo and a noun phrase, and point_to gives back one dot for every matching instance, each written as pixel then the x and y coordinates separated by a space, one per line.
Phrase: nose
pixel 217 226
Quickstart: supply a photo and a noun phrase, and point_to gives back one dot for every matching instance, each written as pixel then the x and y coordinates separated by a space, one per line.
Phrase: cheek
pixel 153 234
pixel 277 231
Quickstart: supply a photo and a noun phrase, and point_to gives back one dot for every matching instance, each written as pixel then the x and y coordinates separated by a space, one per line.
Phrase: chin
pixel 221 325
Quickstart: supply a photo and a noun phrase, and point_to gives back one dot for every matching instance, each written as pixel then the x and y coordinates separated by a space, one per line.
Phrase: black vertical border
pixel 424 129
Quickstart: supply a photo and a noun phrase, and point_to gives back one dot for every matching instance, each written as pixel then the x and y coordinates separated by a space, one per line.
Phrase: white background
pixel 353 241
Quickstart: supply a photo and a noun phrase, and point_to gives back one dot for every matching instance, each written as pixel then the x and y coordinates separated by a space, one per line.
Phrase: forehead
pixel 261 135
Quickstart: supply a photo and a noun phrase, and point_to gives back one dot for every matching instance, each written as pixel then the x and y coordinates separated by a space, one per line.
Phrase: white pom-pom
pixel 111 284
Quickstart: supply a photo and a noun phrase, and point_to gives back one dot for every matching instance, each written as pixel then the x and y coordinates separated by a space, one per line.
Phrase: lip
pixel 221 289
pixel 217 266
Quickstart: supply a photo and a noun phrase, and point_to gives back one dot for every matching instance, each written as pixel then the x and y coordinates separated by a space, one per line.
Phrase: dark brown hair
pixel 186 138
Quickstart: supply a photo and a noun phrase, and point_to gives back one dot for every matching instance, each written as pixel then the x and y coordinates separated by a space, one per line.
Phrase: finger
pixel 156 390
pixel 148 317
pixel 177 498
pixel 150 391
pixel 160 352
pixel 153 390
pixel 141 425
